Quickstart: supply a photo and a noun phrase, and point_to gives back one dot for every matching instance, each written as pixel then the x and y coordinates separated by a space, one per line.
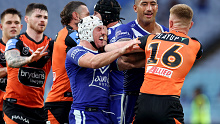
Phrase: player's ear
pixel 1 26
pixel 75 15
pixel 191 24
pixel 135 8
pixel 26 19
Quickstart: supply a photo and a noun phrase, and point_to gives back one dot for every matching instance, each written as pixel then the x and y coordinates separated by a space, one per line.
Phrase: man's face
pixel 10 25
pixel 38 20
pixel 146 10
pixel 99 35
pixel 83 12
pixel 97 14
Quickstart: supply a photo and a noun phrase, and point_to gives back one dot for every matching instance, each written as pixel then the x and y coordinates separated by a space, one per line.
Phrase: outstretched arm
pixel 90 60
pixel 14 59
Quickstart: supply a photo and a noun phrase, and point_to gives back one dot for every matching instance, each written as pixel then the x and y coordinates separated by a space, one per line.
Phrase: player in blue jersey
pixel 108 11
pixel 144 24
pixel 88 71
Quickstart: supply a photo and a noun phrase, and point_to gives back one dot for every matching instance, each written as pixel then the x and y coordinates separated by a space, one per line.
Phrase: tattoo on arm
pixel 14 59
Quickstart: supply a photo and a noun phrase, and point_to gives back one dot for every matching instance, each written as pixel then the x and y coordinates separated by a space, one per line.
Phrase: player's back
pixel 170 57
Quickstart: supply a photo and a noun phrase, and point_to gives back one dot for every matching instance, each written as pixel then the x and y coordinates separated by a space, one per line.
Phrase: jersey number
pixel 171 58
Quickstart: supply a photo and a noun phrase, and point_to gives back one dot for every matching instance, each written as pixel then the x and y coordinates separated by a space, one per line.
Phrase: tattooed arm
pixel 14 59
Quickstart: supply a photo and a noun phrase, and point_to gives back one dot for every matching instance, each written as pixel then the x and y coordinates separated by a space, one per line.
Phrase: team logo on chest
pixel 101 78
pixel 25 50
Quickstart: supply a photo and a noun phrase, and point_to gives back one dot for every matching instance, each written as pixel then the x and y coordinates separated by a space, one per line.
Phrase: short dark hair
pixel 32 6
pixel 12 11
pixel 66 14
pixel 109 10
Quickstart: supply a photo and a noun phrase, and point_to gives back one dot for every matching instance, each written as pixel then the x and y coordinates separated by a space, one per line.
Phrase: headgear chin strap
pixel 86 27
pixel 109 10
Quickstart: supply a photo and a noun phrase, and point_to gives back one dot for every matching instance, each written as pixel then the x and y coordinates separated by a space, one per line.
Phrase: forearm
pixel 14 59
pixel 3 72
pixel 104 59
pixel 122 65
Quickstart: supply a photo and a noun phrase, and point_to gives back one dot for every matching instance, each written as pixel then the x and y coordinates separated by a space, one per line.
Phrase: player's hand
pixel 37 54
pixel 131 46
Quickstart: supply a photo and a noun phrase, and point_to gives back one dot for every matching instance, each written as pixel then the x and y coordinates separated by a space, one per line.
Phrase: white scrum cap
pixel 86 27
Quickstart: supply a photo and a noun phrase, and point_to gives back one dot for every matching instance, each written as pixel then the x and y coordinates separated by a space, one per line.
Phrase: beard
pixel 37 28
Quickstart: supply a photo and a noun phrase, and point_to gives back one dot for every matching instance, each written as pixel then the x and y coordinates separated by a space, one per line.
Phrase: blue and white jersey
pixel 90 87
pixel 116 77
pixel 133 77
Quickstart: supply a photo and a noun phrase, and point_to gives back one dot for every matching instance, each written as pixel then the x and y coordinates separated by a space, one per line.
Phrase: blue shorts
pixel 115 108
pixel 89 116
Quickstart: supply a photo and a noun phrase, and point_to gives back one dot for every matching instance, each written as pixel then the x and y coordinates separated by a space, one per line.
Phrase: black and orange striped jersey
pixel 3 80
pixel 25 85
pixel 61 91
pixel 169 58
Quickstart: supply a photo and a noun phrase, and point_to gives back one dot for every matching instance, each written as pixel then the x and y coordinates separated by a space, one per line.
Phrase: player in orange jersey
pixel 169 58
pixel 10 26
pixel 59 99
pixel 28 58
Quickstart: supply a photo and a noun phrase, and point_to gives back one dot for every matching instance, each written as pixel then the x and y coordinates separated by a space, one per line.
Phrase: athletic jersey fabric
pixel 3 81
pixel 133 78
pixel 25 85
pixel 116 77
pixel 169 58
pixel 61 91
pixel 90 87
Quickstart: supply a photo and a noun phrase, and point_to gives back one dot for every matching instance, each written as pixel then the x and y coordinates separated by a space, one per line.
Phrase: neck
pixel 4 39
pixel 152 27
pixel 37 36
pixel 112 24
pixel 87 45
pixel 184 31
pixel 74 26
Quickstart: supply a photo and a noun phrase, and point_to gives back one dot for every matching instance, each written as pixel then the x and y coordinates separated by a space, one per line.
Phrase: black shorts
pixel 158 109
pixel 23 115
pixel 58 111
pixel 1 118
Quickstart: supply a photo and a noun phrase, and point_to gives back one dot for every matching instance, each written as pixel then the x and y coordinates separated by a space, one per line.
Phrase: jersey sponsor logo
pixel 3 83
pixel 31 77
pixel 172 37
pixel 159 71
pixel 100 78
pixel 75 51
pixel 17 117
pixel 119 33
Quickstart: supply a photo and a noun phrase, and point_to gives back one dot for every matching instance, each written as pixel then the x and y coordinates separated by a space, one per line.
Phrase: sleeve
pixel 143 41
pixel 123 31
pixel 72 40
pixel 200 52
pixel 74 54
pixel 11 44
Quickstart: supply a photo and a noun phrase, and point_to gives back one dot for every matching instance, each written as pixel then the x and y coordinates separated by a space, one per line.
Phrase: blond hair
pixel 183 14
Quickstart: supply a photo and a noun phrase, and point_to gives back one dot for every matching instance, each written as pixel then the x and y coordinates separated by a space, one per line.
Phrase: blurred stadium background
pixel 204 74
